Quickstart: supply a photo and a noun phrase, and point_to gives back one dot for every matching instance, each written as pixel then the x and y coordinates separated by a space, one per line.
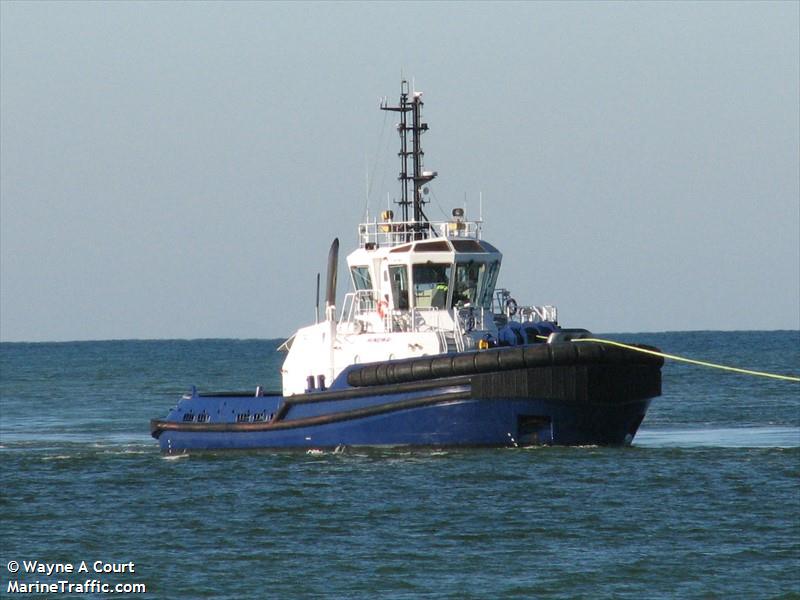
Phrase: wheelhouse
pixel 438 274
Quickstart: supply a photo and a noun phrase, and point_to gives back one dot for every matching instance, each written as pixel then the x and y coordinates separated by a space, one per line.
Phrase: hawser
pixel 426 351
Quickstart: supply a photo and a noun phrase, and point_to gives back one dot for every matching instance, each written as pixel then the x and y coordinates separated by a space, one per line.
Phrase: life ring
pixel 383 305
pixel 511 307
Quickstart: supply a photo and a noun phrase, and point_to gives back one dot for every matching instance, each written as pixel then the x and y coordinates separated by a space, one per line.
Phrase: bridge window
pixel 361 278
pixel 398 277
pixel 469 277
pixel 431 282
pixel 436 246
pixel 467 246
pixel 488 285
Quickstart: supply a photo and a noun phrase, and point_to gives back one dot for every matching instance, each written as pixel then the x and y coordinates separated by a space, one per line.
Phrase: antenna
pixel 412 184
pixel 403 108
pixel 366 184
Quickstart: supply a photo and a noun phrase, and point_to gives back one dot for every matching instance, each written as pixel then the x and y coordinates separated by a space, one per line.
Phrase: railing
pixel 358 305
pixel 536 314
pixel 505 306
pixel 392 233
pixel 363 312
pixel 458 334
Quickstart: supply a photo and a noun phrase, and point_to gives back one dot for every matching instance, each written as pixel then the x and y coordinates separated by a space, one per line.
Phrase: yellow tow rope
pixel 690 360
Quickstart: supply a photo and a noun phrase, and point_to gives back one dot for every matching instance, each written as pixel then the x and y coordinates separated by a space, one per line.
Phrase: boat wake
pixel 720 437
pixel 174 456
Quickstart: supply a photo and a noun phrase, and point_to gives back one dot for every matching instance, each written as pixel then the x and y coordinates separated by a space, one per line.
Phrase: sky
pixel 179 170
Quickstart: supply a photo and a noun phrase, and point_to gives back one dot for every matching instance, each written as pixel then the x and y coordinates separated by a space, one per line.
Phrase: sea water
pixel 704 504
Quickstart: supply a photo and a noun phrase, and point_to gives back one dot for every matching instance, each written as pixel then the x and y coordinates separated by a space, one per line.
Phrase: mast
pixel 411 185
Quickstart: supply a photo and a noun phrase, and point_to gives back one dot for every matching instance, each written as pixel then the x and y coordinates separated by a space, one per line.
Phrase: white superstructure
pixel 419 287
pixel 409 298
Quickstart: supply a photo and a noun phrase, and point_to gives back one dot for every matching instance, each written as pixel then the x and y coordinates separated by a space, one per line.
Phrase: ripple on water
pixel 720 437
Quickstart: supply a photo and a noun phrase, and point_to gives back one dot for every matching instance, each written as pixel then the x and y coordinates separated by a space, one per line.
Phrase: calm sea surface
pixel 705 504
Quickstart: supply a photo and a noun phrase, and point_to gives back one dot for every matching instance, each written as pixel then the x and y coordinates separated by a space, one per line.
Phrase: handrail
pixel 393 233
pixel 504 304
pixel 358 303
pixel 362 309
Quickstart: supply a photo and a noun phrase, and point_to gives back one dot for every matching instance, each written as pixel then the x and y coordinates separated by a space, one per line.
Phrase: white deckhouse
pixel 419 287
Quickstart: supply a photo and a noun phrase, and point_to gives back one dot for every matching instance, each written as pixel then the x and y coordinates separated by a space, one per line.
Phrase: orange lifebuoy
pixel 382 306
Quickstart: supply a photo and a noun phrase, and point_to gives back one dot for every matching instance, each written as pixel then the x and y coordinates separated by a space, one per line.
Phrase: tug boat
pixel 426 351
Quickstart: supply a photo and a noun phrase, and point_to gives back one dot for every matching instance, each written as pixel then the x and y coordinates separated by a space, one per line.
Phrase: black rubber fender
pixel 442 366
pixel 421 369
pixel 497 359
pixel 510 358
pixel 486 361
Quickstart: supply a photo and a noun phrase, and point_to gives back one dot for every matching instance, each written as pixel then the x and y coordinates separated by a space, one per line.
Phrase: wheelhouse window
pixel 467 288
pixel 431 282
pixel 398 277
pixel 488 285
pixel 361 278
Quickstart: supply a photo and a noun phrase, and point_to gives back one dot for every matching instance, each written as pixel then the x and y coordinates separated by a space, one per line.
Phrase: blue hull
pixel 495 422
pixel 533 397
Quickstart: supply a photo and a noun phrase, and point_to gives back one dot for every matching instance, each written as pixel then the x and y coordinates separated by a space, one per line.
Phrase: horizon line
pixel 263 339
